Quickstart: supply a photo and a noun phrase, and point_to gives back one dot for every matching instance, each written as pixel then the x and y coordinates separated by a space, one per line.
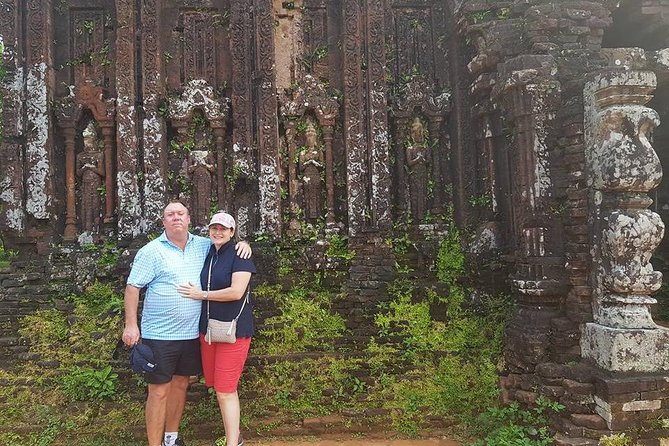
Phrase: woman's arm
pixel 235 291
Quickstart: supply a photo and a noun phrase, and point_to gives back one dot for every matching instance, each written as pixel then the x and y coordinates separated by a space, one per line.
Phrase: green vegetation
pixel 515 426
pixel 305 323
pixel 6 255
pixel 430 356
pixel 449 363
pixel 616 440
pixel 70 394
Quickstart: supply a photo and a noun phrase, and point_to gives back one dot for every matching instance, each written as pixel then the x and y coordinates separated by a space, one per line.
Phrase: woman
pixel 224 282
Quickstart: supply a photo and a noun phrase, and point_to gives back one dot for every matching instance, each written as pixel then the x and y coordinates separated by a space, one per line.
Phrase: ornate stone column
pixel 70 197
pixel 328 131
pixel 107 134
pixel 622 169
pixel 291 131
pixel 434 124
pixel 402 124
pixel 529 92
pixel 221 162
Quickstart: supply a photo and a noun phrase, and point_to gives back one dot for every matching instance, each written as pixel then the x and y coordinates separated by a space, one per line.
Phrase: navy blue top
pixel 224 262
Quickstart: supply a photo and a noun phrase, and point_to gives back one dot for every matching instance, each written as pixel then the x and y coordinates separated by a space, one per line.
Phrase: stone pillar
pixel 328 131
pixel 366 129
pixel 129 208
pixel 70 185
pixel 267 131
pixel 438 150
pixel 622 168
pixel 38 153
pixel 402 124
pixel 529 93
pixel 153 125
pixel 221 163
pixel 12 189
pixel 107 134
pixel 293 185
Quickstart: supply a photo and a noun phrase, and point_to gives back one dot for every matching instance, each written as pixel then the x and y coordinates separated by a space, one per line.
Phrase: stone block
pixel 526 397
pixel 589 421
pixel 642 405
pixel 551 370
pixel 577 387
pixel 562 440
pixel 607 387
pixel 552 392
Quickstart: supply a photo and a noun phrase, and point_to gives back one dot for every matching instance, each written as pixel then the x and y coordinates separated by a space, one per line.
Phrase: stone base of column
pixel 629 403
pixel 626 350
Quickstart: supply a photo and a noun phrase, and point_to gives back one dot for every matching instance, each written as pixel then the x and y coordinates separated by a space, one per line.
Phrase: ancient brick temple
pixel 536 121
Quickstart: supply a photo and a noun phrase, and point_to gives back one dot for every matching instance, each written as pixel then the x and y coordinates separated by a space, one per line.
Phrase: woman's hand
pixel 191 291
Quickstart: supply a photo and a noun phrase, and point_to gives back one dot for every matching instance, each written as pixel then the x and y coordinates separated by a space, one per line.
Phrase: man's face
pixel 175 218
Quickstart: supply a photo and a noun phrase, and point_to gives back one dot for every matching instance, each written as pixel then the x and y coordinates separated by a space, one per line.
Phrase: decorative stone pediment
pixel 419 93
pixel 198 94
pixel 86 96
pixel 312 95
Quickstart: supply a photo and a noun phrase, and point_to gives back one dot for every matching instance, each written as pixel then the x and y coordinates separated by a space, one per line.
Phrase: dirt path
pixel 356 442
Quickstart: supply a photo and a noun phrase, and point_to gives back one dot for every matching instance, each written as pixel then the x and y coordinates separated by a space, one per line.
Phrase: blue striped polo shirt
pixel 160 266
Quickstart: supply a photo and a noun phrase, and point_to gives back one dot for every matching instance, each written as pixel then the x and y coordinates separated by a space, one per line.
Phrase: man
pixel 169 321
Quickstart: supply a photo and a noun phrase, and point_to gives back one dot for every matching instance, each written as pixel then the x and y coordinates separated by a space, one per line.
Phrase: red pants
pixel 222 363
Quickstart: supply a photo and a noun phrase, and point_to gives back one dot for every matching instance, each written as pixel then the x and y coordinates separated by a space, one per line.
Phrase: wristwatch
pixel 204 296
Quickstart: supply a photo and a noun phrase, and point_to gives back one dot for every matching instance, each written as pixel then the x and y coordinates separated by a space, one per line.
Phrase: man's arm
pixel 130 303
pixel 243 250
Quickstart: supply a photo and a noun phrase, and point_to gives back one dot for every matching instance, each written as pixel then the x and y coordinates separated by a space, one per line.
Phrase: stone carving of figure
pixel 311 164
pixel 417 157
pixel 200 170
pixel 91 171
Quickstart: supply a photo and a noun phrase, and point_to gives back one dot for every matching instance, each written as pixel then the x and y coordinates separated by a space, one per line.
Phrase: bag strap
pixel 246 298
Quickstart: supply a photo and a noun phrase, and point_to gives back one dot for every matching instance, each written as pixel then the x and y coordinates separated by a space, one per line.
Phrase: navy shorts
pixel 173 358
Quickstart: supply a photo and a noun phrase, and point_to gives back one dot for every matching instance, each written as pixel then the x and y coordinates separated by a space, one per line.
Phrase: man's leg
pixel 156 404
pixel 176 401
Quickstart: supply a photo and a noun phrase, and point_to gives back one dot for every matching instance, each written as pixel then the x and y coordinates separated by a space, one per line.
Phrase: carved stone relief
pixel 90 175
pixel 311 99
pixel 419 114
pixel 96 155
pixel 197 162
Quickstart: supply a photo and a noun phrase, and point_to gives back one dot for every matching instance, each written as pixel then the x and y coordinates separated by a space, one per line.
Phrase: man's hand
pixel 130 335
pixel 243 250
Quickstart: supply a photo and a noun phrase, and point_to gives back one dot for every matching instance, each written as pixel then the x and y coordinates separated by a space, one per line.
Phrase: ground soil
pixel 314 441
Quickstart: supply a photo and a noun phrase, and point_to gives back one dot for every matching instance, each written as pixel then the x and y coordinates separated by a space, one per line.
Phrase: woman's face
pixel 220 235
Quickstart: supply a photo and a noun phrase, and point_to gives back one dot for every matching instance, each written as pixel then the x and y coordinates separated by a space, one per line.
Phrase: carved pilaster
pixel 293 185
pixel 267 129
pixel 328 131
pixel 377 139
pixel 622 168
pixel 366 116
pixel 38 156
pixel 12 210
pixel 529 94
pixel 153 125
pixel 70 186
pixel 129 208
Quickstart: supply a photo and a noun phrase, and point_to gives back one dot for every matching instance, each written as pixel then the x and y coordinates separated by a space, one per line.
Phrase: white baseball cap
pixel 222 218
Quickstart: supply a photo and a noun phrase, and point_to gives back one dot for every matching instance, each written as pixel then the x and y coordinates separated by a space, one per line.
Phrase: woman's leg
pixel 230 360
pixel 229 405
